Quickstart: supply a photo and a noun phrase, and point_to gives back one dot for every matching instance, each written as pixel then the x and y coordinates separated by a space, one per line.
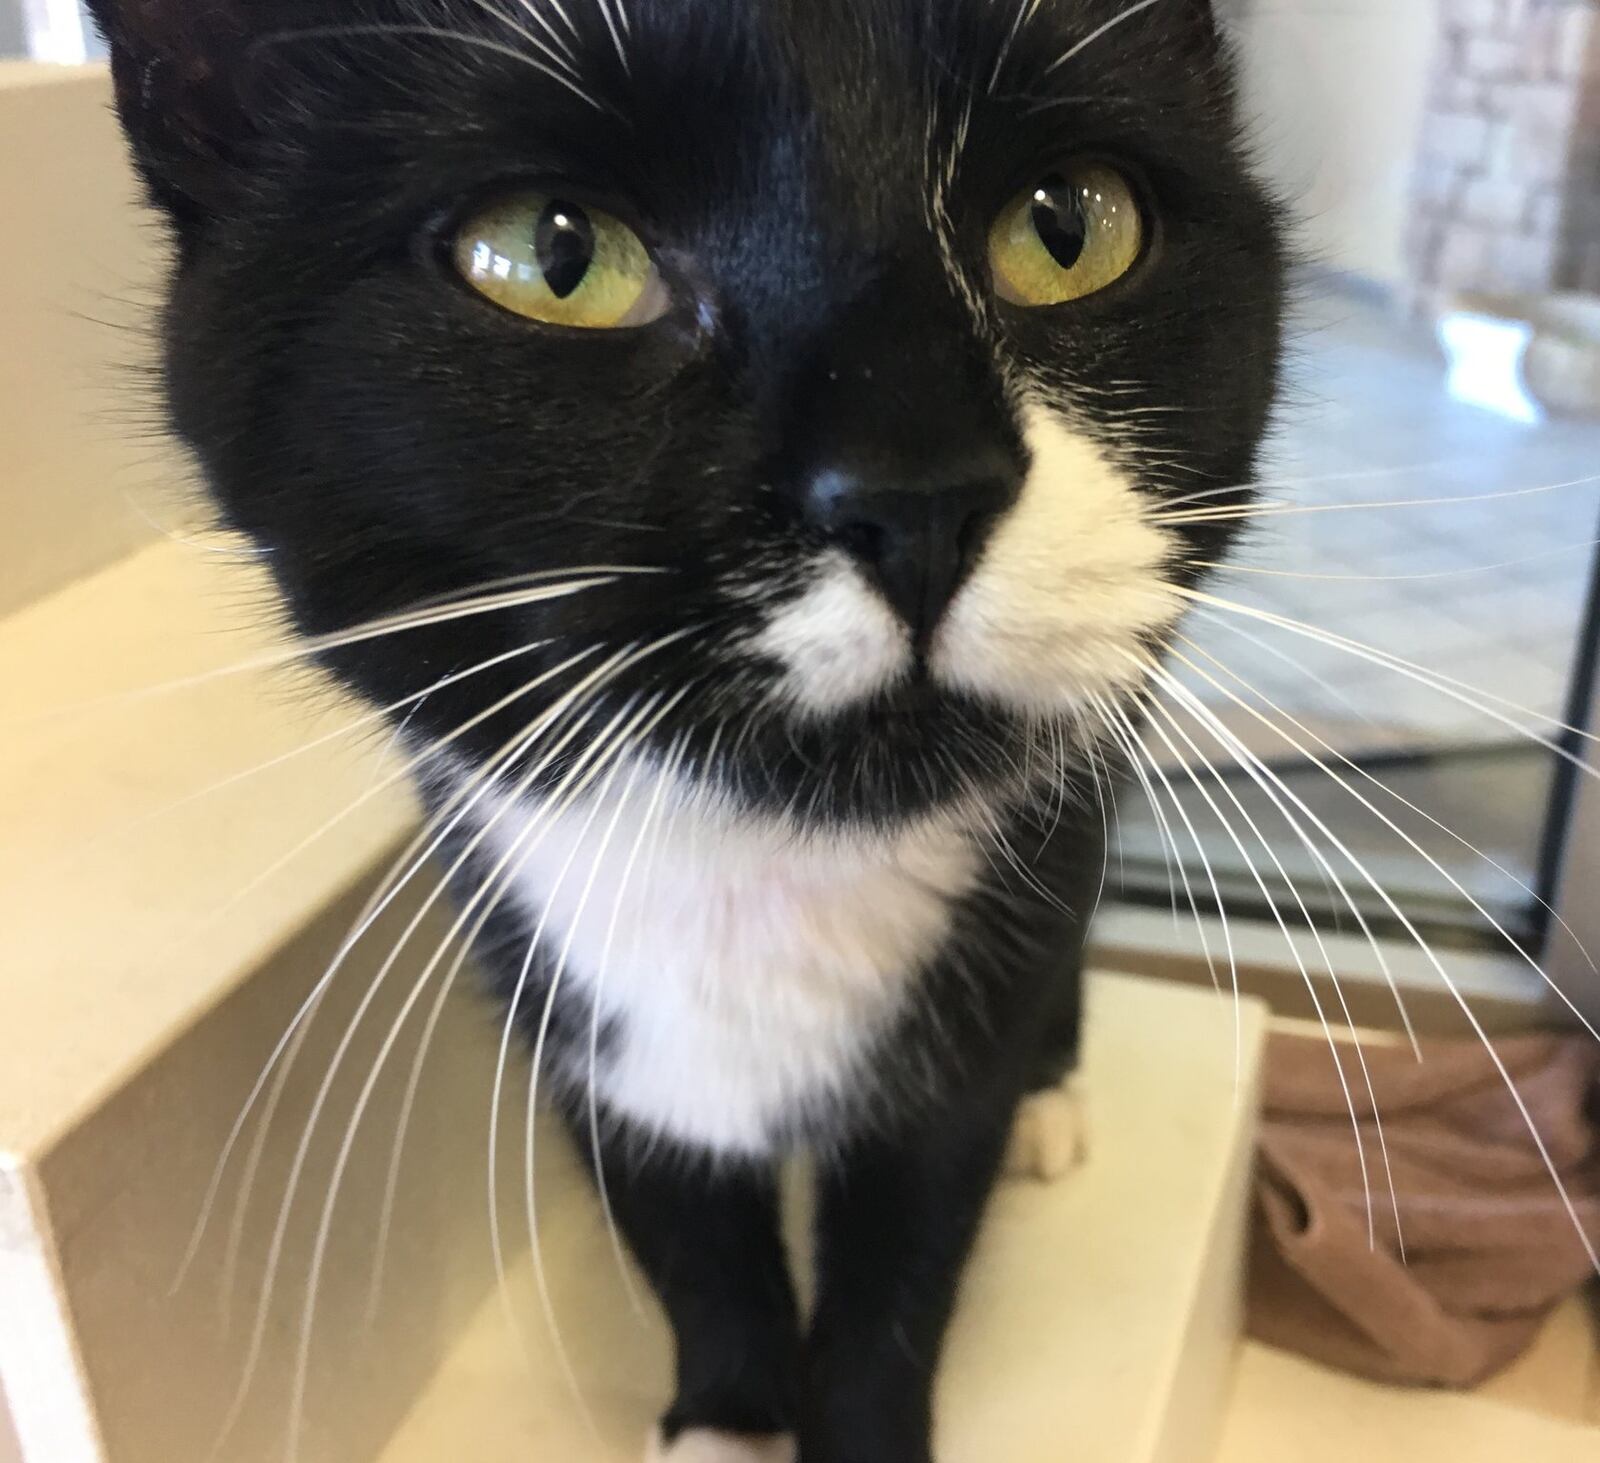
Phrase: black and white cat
pixel 739 434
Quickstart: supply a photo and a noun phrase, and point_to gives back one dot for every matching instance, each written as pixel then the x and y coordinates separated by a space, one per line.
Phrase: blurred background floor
pixel 1484 580
pixel 1482 576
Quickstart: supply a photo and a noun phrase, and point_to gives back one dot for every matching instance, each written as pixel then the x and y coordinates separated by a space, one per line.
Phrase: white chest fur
pixel 744 967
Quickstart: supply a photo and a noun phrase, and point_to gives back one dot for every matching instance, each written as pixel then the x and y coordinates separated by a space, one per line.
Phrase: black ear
pixel 179 68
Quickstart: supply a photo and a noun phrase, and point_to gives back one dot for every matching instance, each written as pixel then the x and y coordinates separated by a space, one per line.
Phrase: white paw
pixel 701 1445
pixel 1051 1135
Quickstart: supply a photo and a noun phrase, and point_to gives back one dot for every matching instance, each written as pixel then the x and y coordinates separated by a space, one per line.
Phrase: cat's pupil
pixel 1061 218
pixel 563 243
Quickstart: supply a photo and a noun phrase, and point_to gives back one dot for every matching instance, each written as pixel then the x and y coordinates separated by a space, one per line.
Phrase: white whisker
pixel 341 1162
pixel 436 33
pixel 1098 34
pixel 1261 486
pixel 539 18
pixel 503 1060
pixel 1285 510
pixel 1177 689
pixel 1381 786
pixel 1277 916
pixel 1585 546
pixel 1311 757
pixel 1170 852
pixel 530 1152
pixel 562 58
pixel 1137 744
pixel 664 780
pixel 551 717
pixel 616 27
pixel 1026 10
pixel 1101 774
pixel 1264 779
pixel 309 647
pixel 375 907
pixel 340 733
pixel 1472 697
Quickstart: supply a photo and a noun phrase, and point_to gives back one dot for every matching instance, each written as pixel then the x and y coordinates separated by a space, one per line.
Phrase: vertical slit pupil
pixel 1061 221
pixel 563 243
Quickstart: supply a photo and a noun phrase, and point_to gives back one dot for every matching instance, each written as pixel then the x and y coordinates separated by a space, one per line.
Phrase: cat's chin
pixel 916 750
pixel 928 704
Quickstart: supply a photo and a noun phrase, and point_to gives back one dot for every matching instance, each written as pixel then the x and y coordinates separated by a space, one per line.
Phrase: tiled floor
pixel 1482 576
pixel 1488 589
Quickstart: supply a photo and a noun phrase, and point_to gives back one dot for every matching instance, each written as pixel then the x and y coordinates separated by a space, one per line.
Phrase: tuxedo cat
pixel 739 434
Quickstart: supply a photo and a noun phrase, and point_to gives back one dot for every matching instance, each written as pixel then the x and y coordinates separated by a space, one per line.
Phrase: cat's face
pixel 870 340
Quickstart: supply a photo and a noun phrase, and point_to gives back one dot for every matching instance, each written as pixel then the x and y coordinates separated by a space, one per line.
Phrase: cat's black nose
pixel 916 540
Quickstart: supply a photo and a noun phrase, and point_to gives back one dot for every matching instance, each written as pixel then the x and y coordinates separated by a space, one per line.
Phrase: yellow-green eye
pixel 1075 233
pixel 550 259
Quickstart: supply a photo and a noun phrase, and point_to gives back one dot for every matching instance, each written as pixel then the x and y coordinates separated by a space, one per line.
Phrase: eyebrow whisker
pixel 437 33
pixel 1095 35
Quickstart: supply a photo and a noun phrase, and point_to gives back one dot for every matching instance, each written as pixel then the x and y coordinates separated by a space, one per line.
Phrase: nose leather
pixel 916 539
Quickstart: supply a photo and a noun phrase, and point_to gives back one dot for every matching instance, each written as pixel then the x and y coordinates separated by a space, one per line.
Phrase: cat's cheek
pixel 1071 586
pixel 839 643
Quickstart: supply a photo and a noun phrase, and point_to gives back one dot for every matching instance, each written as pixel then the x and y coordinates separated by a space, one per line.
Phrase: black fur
pixel 393 439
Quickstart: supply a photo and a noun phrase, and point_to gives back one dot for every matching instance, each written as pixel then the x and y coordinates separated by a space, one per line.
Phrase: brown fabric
pixel 1490 1248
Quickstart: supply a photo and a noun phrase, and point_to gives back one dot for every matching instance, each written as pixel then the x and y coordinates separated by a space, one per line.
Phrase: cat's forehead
pixel 865 103
pixel 831 104
pixel 879 69
pixel 835 44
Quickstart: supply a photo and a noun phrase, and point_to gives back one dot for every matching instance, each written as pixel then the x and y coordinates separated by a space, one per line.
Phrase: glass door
pixel 1371 725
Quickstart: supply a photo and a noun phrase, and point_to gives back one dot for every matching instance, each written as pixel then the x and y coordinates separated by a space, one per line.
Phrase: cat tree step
pixel 1099 1321
pixel 149 970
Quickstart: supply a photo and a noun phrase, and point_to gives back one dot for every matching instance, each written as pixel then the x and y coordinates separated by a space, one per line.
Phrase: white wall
pixel 48 30
pixel 10 1447
pixel 1336 91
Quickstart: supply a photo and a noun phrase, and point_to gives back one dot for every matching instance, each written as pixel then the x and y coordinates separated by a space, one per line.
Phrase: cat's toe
pixel 1050 1137
pixel 702 1445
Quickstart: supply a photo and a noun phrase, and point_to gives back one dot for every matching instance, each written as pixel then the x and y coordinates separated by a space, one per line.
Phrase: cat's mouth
pixel 917 695
pixel 920 709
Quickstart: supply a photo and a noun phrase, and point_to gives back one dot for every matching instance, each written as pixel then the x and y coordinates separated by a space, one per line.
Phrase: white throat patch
pixel 745 966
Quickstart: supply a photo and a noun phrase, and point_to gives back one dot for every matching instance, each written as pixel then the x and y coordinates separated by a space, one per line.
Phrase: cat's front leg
pixel 706 1234
pixel 896 1221
pixel 1050 1137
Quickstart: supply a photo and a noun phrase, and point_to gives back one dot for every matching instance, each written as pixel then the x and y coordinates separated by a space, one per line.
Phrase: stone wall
pixel 1507 188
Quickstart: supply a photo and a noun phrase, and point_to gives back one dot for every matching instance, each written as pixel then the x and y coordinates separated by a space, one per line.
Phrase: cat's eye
pixel 550 259
pixel 1071 235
